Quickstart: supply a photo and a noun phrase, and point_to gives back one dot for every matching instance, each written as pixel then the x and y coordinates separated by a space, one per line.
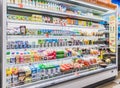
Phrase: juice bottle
pixel 12 59
pixel 19 1
pixel 32 56
pixel 52 70
pixel 36 57
pixel 36 3
pixel 17 57
pixel 42 67
pixel 21 59
pixel 48 5
pixel 33 73
pixel 8 57
pixel 38 71
pixel 28 57
pixel 45 4
pixel 28 74
pixel 8 76
pixel 16 1
pixel 57 69
pixel 24 2
pixel 21 75
pixel 12 1
pixel 14 76
pixel 39 4
pixel 27 2
pixel 46 67
pixel 33 2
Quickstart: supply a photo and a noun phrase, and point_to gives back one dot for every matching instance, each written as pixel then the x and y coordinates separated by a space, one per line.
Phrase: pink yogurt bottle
pixel 21 58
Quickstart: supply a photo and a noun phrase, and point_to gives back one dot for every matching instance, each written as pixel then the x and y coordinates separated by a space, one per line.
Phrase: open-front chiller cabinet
pixel 45 42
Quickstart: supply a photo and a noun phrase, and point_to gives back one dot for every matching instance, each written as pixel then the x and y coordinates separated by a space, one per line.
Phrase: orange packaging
pixel 101 3
pixel 68 11
pixel 112 6
pixel 105 1
pixel 109 1
pixel 86 0
pixel 93 1
pixel 70 21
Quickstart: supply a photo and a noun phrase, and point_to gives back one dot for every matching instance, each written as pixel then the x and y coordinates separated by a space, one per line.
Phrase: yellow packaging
pixel 34 18
pixel 32 56
pixel 8 71
pixel 19 1
pixel 40 18
pixel 27 74
pixel 14 70
pixel 84 23
pixel 101 55
pixel 80 22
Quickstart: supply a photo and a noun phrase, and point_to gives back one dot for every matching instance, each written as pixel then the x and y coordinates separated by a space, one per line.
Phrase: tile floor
pixel 114 84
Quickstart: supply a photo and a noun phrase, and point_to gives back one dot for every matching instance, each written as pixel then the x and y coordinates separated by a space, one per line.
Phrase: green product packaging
pixel 60 52
pixel 8 53
pixel 41 41
pixel 8 60
pixel 30 19
pixel 80 51
pixel 42 67
pixel 60 56
pixel 89 23
pixel 39 32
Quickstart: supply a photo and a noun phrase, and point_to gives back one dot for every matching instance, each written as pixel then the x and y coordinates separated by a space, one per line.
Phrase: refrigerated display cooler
pixel 46 42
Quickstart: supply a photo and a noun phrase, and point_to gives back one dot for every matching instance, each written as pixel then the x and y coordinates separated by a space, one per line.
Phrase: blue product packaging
pixel 21 44
pixel 24 45
pixel 69 53
pixel 34 73
pixel 38 71
pixel 12 44
pixel 12 59
pixel 57 67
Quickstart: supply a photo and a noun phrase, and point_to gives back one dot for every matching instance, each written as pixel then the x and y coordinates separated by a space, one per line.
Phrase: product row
pixel 43 4
pixel 51 6
pixel 30 56
pixel 23 30
pixel 30 73
pixel 54 20
pixel 44 43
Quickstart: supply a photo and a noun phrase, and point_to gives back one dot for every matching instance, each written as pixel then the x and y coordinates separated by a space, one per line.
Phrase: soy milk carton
pixel 33 73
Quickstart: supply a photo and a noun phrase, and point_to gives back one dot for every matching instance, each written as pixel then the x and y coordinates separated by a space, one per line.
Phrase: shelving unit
pixel 45 11
pixel 51 24
pixel 46 43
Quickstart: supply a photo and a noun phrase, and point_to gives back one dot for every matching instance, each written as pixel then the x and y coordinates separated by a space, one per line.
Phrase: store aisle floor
pixel 114 84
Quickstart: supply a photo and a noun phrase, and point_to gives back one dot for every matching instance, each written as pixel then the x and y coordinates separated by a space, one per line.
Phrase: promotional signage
pixel 112 31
